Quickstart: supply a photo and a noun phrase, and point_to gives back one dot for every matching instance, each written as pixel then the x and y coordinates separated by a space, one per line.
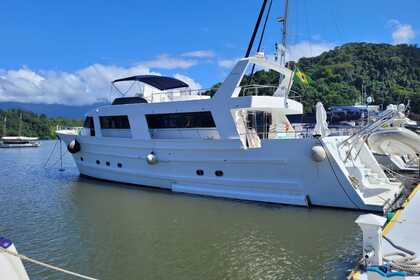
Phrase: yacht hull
pixel 281 171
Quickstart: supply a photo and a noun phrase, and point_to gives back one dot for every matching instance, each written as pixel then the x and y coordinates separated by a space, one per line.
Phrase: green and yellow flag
pixel 301 77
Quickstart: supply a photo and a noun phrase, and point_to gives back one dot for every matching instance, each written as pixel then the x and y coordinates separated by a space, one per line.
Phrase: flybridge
pixel 159 82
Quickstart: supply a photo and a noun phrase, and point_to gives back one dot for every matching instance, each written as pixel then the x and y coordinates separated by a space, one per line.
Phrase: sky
pixel 67 52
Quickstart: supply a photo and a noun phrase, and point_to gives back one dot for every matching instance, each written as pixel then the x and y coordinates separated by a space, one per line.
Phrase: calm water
pixel 111 231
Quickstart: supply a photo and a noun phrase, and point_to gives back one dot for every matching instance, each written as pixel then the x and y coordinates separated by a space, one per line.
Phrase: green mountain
pixel 32 124
pixel 391 74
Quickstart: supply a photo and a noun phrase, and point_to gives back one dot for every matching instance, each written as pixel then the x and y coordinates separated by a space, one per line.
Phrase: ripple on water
pixel 112 231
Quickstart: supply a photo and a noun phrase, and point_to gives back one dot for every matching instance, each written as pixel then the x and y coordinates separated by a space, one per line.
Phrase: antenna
pixel 284 20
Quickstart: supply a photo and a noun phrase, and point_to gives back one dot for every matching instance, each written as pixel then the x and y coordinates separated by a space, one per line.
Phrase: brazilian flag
pixel 300 77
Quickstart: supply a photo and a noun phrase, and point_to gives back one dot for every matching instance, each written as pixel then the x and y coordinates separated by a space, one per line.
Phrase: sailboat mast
pixel 20 125
pixel 4 125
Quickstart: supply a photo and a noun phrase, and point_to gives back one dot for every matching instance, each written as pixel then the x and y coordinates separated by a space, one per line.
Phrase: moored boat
pixel 237 143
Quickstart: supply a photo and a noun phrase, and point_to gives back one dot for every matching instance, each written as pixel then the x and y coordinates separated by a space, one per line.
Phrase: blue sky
pixel 51 50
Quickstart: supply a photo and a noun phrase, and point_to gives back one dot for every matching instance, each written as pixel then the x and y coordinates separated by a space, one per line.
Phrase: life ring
pixel 73 147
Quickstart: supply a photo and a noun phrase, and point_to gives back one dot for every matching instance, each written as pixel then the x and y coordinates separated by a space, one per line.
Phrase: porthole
pixel 119 165
pixel 98 162
pixel 199 172
pixel 82 159
pixel 219 173
pixel 108 163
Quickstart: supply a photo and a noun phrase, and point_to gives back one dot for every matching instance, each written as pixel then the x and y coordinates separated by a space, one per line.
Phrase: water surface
pixel 114 231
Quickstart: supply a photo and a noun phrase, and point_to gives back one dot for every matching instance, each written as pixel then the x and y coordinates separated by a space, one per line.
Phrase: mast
pixel 285 23
pixel 20 125
pixel 4 125
pixel 284 20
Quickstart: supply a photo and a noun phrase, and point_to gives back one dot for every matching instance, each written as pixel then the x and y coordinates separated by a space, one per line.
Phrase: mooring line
pixel 56 268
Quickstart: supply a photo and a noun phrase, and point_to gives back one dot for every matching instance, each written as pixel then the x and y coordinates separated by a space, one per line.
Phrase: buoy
pixel 318 153
pixel 151 158
pixel 73 147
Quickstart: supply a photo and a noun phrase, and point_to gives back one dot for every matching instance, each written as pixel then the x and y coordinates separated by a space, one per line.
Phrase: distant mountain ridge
pixel 52 110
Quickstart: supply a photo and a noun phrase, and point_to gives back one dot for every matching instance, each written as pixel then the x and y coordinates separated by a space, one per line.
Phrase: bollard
pixel 371 226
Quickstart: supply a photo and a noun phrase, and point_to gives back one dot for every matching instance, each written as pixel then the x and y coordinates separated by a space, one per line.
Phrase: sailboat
pixel 237 143
pixel 17 141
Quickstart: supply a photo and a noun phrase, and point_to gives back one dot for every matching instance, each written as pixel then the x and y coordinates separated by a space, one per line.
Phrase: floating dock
pixel 403 230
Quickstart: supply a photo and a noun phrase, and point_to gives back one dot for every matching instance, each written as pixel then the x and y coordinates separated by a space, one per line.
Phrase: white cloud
pixel 307 49
pixel 227 63
pixel 199 54
pixel 193 84
pixel 85 86
pixel 401 33
pixel 165 61
pixel 294 52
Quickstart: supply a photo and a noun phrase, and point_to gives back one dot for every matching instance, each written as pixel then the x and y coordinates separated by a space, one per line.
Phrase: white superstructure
pixel 237 144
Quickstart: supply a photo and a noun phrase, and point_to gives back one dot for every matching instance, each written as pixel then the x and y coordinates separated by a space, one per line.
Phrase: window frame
pixel 184 120
pixel 115 122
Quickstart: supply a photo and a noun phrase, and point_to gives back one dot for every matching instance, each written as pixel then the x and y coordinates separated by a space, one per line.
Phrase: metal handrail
pixel 181 92
pixel 363 134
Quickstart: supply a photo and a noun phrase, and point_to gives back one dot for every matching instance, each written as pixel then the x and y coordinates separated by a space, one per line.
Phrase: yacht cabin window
pixel 89 126
pixel 114 122
pixel 181 120
pixel 115 126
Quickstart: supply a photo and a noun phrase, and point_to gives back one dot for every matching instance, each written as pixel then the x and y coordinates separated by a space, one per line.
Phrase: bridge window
pixel 114 122
pixel 181 120
pixel 88 124
pixel 115 126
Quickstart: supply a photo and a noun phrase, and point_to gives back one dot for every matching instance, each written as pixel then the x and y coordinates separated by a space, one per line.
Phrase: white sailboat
pixel 236 144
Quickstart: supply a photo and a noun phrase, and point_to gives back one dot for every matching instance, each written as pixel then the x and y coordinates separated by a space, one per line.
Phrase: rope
pixel 25 258
pixel 405 260
pixel 395 173
pixel 52 151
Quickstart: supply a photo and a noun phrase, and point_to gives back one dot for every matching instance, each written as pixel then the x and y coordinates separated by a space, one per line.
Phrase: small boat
pixel 18 141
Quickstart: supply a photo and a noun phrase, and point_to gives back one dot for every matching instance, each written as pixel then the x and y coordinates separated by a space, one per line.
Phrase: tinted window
pixel 88 123
pixel 114 122
pixel 181 120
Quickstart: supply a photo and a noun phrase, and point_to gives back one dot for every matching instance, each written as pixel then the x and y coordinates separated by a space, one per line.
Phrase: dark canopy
pixel 159 82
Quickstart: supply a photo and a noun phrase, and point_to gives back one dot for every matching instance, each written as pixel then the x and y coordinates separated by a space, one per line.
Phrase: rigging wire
pixel 261 38
pixel 256 28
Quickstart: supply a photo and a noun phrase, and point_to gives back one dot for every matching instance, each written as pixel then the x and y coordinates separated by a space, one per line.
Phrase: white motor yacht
pixel 236 144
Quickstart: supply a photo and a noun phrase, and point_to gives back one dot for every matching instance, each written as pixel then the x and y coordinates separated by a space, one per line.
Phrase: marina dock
pixel 404 231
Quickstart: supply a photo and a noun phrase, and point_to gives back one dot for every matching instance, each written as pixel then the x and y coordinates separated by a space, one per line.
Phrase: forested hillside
pixel 32 124
pixel 391 74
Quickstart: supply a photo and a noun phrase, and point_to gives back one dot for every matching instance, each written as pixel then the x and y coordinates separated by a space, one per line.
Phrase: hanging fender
pixel 73 147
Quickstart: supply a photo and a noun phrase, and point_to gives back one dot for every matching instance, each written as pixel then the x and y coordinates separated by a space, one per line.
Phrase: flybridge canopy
pixel 159 82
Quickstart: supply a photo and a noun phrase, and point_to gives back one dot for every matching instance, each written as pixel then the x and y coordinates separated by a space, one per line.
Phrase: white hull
pixel 26 145
pixel 282 171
